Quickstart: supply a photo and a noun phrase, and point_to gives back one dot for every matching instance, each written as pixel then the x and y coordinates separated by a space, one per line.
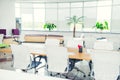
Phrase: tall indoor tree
pixel 75 20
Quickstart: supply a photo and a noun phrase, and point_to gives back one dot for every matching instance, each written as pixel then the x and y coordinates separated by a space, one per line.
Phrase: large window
pixel 90 13
pixel 34 15
pixel 51 13
pixel 115 21
pixel 104 11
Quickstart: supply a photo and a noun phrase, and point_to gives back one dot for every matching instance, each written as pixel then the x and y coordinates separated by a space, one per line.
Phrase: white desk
pixel 13 75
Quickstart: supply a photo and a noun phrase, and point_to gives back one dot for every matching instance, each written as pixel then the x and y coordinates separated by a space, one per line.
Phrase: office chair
pixel 103 45
pixel 1 38
pixel 20 39
pixel 15 32
pixel 73 43
pixel 105 62
pixel 49 42
pixel 105 65
pixel 3 31
pixel 57 60
pixel 52 42
pixel 118 78
pixel 83 67
pixel 22 58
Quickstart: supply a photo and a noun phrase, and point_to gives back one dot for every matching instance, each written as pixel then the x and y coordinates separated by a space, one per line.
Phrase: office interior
pixel 30 16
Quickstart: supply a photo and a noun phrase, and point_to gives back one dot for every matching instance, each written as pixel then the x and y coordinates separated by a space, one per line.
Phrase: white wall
pixel 7 15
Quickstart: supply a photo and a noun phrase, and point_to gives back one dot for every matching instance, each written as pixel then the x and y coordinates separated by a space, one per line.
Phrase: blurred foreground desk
pixel 13 75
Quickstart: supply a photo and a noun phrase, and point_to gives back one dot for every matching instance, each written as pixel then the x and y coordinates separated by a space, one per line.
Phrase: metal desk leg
pixel 91 68
pixel 35 63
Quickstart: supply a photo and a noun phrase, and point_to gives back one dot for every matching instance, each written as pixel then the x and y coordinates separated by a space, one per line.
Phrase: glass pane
pixel 17 4
pixel 90 15
pixel 76 11
pixel 27 22
pixel 26 5
pixel 51 14
pixel 39 18
pixel 79 4
pixel 62 16
pixel 116 1
pixel 51 5
pixel 26 10
pixel 39 5
pixel 103 3
pixel 78 27
pixel 17 12
pixel 62 19
pixel 103 13
pixel 89 4
pixel 62 25
pixel 63 5
pixel 115 23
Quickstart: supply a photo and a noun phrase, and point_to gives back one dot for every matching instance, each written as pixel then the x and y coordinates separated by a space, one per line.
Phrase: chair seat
pixel 34 64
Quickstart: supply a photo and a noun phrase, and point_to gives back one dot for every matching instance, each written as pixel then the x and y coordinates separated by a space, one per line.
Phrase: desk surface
pixel 6 50
pixel 77 55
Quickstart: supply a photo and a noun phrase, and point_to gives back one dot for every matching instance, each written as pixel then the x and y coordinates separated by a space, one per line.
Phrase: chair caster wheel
pixel 91 74
pixel 84 76
pixel 51 74
pixel 66 77
pixel 24 70
pixel 36 71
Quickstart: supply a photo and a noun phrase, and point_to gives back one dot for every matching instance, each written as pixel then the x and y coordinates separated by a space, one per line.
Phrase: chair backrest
pixel 82 36
pixel 57 59
pixel 1 38
pixel 73 43
pixel 52 42
pixel 15 31
pixel 3 31
pixel 103 45
pixel 21 56
pixel 105 64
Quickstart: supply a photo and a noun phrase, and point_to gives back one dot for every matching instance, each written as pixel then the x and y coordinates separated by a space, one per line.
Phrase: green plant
pixel 49 26
pixel 102 26
pixel 74 20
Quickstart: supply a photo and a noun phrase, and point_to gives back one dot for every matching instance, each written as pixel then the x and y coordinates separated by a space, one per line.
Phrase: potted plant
pixel 49 26
pixel 74 20
pixel 101 26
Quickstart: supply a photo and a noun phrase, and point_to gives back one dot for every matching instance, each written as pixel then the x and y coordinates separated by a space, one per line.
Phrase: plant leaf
pixel 49 26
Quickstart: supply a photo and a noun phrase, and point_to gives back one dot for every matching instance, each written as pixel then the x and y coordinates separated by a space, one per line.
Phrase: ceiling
pixel 56 0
